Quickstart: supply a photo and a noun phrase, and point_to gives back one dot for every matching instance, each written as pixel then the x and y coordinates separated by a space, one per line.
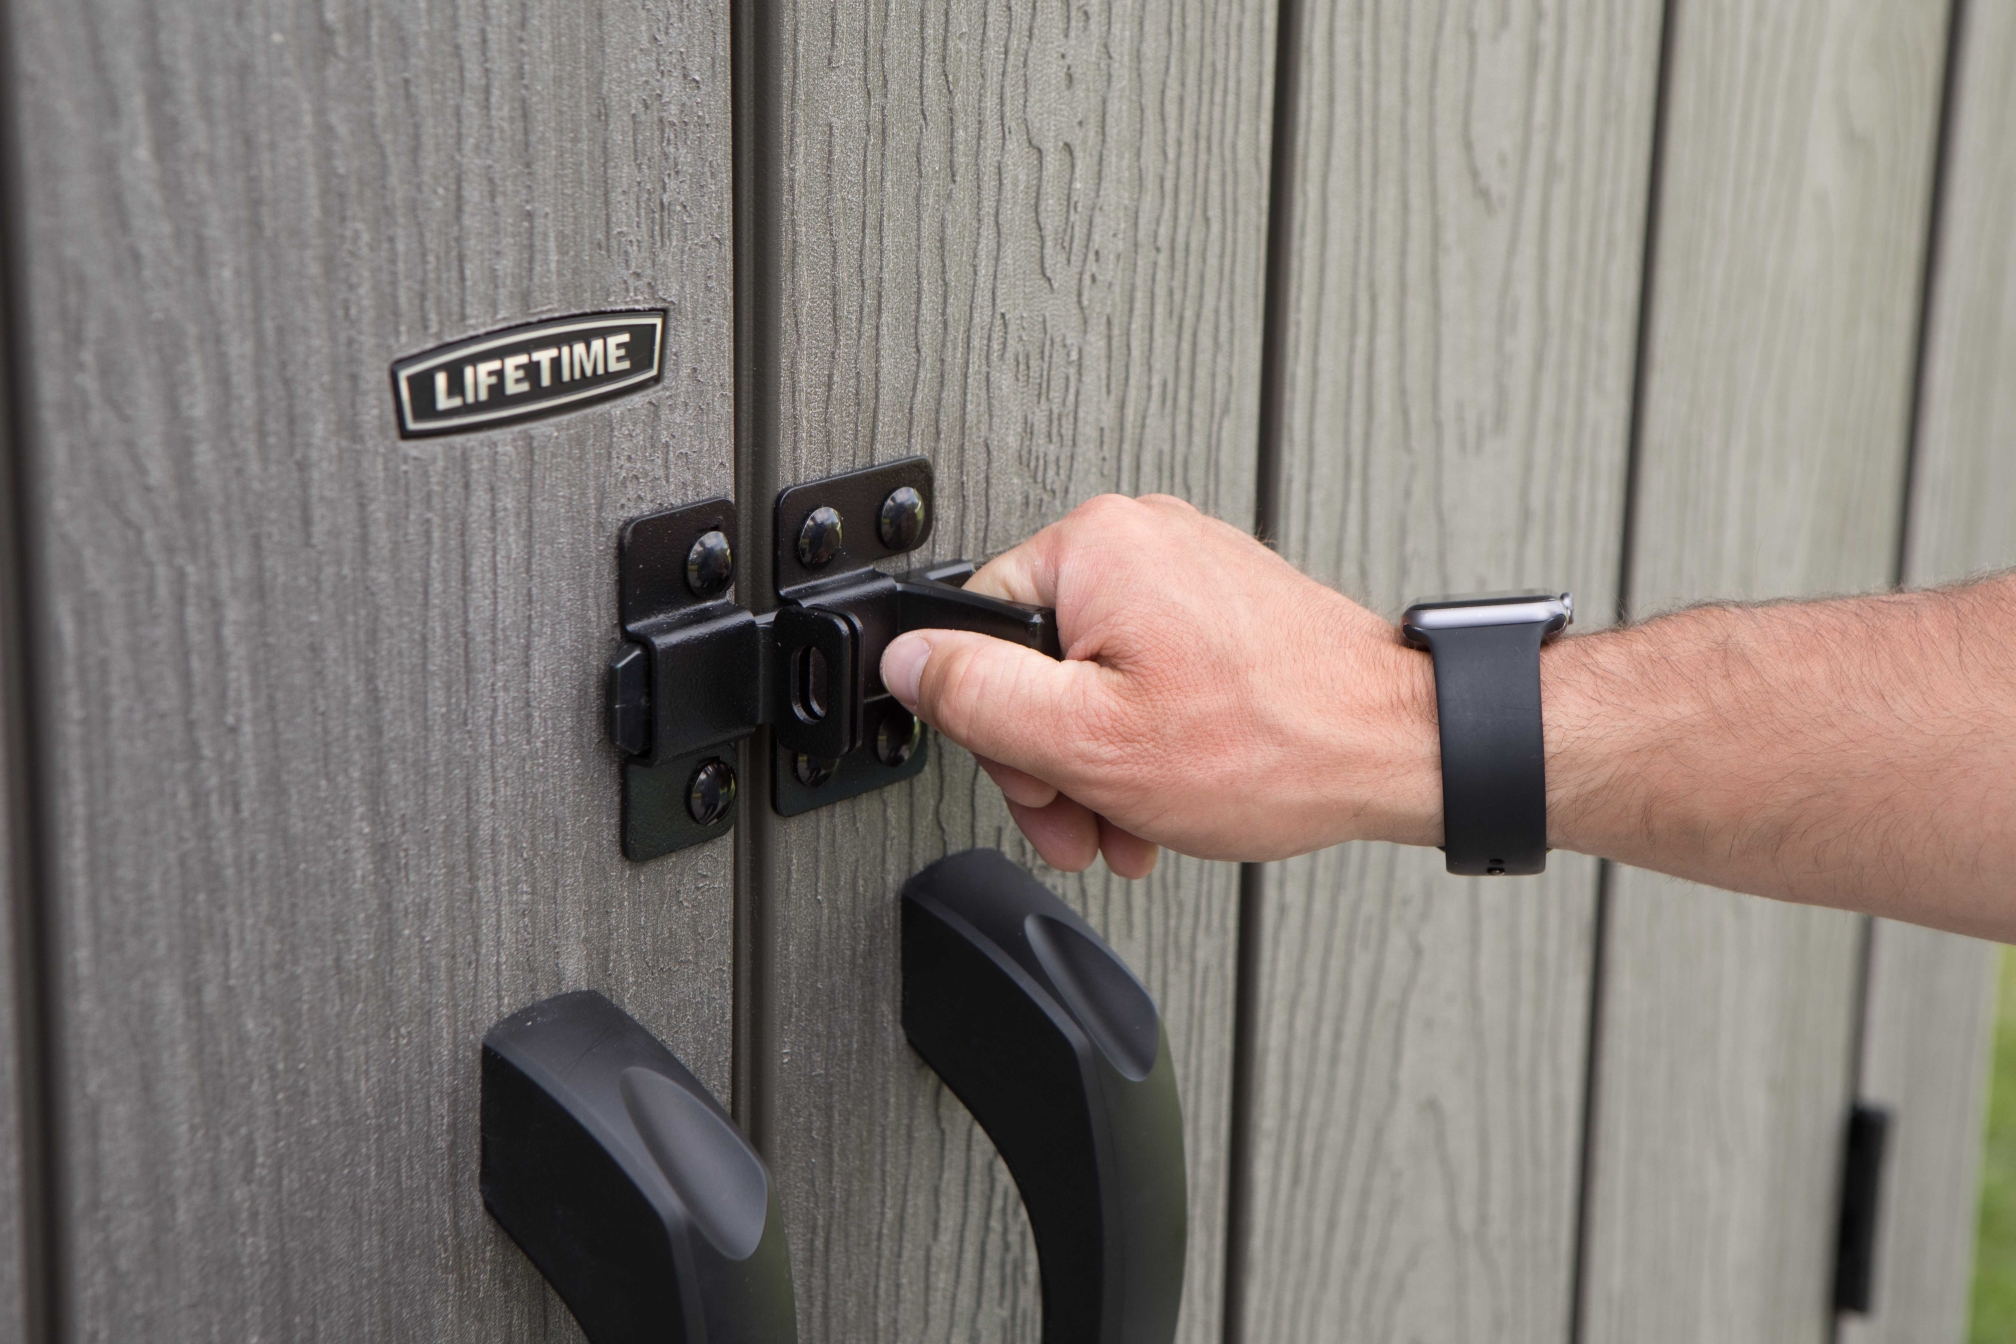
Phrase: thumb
pixel 999 700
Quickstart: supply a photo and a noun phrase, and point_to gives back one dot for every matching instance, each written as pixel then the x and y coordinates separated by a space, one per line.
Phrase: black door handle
pixel 1060 1054
pixel 627 1184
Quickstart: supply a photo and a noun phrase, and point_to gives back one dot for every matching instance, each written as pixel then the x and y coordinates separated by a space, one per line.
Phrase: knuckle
pixel 1106 503
pixel 1103 511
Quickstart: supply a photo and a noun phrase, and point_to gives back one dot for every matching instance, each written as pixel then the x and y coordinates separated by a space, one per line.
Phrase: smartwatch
pixel 1487 699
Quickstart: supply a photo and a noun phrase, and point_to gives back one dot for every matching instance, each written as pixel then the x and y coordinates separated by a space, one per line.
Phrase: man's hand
pixel 1858 752
pixel 1211 698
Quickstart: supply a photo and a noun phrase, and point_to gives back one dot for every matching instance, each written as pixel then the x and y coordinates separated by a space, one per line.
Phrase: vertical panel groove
pixel 1640 360
pixel 1606 871
pixel 1942 154
pixel 1239 1140
pixel 757 191
pixel 1858 1032
pixel 1275 307
pixel 1266 526
pixel 741 80
pixel 758 307
pixel 37 1179
pixel 1585 1184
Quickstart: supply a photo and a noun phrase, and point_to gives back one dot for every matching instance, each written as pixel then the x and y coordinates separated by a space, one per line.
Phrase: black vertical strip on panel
pixel 1907 494
pixel 757 49
pixel 1599 931
pixel 1266 526
pixel 39 1180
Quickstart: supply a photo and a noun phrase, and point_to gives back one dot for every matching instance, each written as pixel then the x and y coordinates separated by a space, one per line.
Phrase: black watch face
pixel 1552 611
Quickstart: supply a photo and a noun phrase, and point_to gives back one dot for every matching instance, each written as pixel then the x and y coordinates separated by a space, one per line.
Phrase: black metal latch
pixel 699 672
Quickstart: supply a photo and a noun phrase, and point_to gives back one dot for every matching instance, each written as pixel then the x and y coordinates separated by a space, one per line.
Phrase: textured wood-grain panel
pixel 1795 190
pixel 1928 1020
pixel 328 788
pixel 1028 242
pixel 1466 198
pixel 1964 472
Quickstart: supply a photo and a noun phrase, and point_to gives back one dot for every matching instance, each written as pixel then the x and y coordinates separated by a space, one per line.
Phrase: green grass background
pixel 1994 1312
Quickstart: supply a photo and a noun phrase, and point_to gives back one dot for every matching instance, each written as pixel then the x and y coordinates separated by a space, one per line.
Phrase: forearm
pixel 1859 753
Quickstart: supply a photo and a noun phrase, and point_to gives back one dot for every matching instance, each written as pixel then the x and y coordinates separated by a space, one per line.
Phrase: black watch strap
pixel 1494 767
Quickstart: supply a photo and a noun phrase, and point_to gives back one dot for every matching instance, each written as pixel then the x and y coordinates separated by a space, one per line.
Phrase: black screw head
pixel 709 565
pixel 812 771
pixel 819 538
pixel 712 793
pixel 901 521
pixel 896 740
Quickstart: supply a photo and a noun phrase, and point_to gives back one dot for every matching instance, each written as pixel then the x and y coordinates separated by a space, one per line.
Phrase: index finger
pixel 1023 573
pixel 1029 573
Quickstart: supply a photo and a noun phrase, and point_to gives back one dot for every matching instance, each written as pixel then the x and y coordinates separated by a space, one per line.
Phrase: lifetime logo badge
pixel 526 372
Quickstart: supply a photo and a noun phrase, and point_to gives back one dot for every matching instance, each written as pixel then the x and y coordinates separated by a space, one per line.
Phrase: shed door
pixel 303 717
pixel 321 768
